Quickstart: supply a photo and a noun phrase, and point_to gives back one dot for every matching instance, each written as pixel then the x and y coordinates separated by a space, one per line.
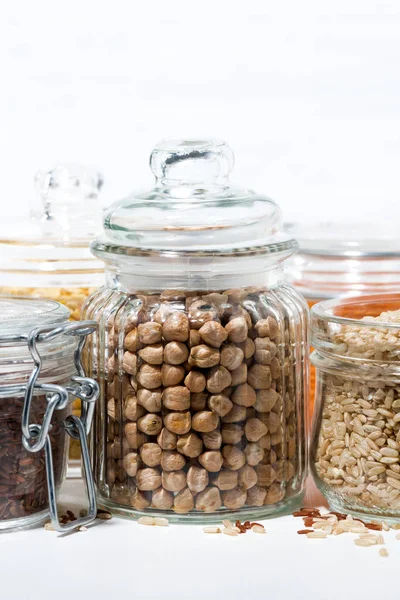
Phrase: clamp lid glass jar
pixel 40 374
pixel 47 255
pixel 201 347
pixel 356 438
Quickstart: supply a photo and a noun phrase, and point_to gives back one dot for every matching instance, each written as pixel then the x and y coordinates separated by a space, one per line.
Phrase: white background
pixel 306 93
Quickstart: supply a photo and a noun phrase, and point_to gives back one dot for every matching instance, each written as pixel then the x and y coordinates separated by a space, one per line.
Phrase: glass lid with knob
pixel 50 248
pixel 193 208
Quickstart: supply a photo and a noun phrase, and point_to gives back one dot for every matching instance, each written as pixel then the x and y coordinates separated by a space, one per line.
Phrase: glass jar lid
pixel 361 239
pixel 51 247
pixel 18 317
pixel 194 208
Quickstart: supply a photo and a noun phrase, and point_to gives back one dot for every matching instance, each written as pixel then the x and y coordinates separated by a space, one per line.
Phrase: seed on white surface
pixel 363 542
pixel 227 524
pixel 146 520
pixel 398 536
pixel 212 529
pixel 385 526
pixel 258 529
pixel 49 527
pixel 83 528
pixel 317 534
pixel 230 531
pixel 383 552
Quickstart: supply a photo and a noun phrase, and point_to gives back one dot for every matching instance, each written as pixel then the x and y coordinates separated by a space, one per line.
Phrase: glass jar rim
pixel 325 310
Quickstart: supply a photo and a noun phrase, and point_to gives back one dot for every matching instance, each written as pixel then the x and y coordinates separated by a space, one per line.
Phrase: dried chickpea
pixel 212 440
pixel 211 460
pixel 266 475
pixel 162 499
pixel 231 357
pixel 119 448
pixel 150 424
pixel 197 479
pixel 129 363
pixel 134 438
pixel 153 355
pixel 275 494
pixel 190 445
pixel 265 350
pixel 255 429
pixel 198 401
pixel 172 461
pixel 247 347
pixel 247 477
pixel 234 458
pixel 172 374
pixel 167 440
pixel 254 454
pixel 236 414
pixel 130 463
pixel 256 496
pixel 148 479
pixel 239 375
pixel 195 381
pixel 237 329
pixel 235 498
pixel 209 500
pixel 131 341
pixel 205 421
pixel 213 333
pixel 267 328
pixel 132 412
pixel 194 338
pixel 149 376
pixel 275 368
pixel 259 377
pixel 178 422
pixel 176 353
pixel 150 454
pixel 173 296
pixel 232 433
pixel 150 332
pixel 176 327
pixel 173 481
pixel 271 420
pixel 200 312
pixel 184 501
pixel 204 356
pixel 149 399
pixel 139 500
pixel 176 397
pixel 111 408
pixel 266 400
pixel 244 395
pixel 226 480
pixel 220 404
pixel 218 379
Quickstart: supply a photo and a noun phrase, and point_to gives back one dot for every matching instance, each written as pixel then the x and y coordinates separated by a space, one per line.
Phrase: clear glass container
pixel 355 454
pixel 40 372
pixel 201 353
pixel 337 259
pixel 47 255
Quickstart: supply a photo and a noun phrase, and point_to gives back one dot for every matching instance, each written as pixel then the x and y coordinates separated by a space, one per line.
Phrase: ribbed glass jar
pixel 201 352
pixel 355 454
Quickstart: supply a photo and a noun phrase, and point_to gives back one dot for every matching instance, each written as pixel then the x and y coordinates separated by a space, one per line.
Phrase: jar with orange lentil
pixel 338 259
pixel 47 254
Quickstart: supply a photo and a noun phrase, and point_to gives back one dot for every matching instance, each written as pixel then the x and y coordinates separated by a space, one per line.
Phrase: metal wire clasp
pixel 36 437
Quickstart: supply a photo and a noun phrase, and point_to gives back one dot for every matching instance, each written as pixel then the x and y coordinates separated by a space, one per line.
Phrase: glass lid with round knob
pixel 193 207
pixel 50 248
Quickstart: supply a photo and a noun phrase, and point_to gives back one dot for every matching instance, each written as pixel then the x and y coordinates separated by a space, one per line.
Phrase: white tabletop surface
pixel 119 559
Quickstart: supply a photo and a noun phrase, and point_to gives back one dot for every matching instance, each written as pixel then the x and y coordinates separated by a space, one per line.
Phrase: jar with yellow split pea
pixel 338 259
pixel 46 254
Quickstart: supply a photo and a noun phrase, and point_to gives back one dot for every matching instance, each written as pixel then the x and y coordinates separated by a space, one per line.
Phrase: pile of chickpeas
pixel 200 403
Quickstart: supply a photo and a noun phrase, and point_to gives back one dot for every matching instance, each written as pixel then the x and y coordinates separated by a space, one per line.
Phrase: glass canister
pixel 40 375
pixel 337 259
pixel 356 435
pixel 201 353
pixel 47 255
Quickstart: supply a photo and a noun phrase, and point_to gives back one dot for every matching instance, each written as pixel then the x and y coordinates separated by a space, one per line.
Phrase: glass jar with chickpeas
pixel 47 255
pixel 201 352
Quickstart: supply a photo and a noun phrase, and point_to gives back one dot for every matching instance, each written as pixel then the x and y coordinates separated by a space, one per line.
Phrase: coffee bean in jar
pixel 201 348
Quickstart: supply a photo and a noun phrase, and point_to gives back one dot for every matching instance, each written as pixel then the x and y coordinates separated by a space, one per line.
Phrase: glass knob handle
pixel 191 162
